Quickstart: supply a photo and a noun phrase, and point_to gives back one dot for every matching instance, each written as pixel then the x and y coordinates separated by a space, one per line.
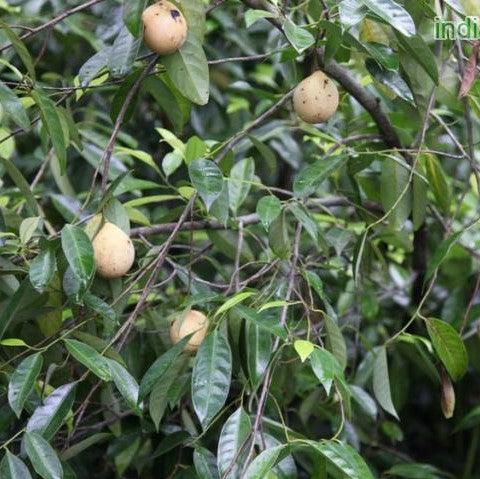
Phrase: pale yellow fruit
pixel 315 99
pixel 113 251
pixel 165 27
pixel 185 324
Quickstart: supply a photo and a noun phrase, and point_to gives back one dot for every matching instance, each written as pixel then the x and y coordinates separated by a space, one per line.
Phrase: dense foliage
pixel 337 263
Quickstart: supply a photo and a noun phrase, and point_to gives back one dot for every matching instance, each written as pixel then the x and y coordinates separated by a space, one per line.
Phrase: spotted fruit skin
pixel 315 98
pixel 165 27
pixel 113 250
pixel 191 322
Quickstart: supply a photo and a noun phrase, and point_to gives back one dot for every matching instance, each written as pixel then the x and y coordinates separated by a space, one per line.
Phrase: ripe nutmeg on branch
pixel 113 251
pixel 165 27
pixel 315 99
pixel 185 324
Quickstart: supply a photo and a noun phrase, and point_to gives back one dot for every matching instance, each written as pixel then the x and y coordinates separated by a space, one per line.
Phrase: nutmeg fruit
pixel 113 250
pixel 165 27
pixel 315 98
pixel 185 324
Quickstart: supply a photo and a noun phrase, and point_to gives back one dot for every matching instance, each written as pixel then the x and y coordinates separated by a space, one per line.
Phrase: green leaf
pixel 160 367
pixel 335 341
pixel 42 268
pixel 390 79
pixel 22 184
pixel 162 391
pixel 78 250
pixel 381 382
pixel 303 348
pixel 266 322
pixel 81 446
pixel 194 12
pixel 312 176
pixel 126 385
pixel 123 52
pixel 13 305
pixel 449 346
pixel 299 37
pixel 392 13
pixel 251 16
pixel 104 310
pixel 205 464
pixel 52 121
pixel 232 450
pixel 47 418
pixel 258 348
pixel 188 70
pixel 13 107
pixel 43 458
pixel 28 227
pixel 438 181
pixel 278 238
pixel 207 179
pixel 265 462
pixel 89 357
pixel 344 457
pixel 132 15
pixel 233 301
pixel 20 49
pixel 240 182
pixel 305 218
pixel 12 467
pixel 22 381
pixel 471 419
pixel 418 49
pixel 268 209
pixel 416 471
pixel 211 377
pixel 325 367
pixel 394 180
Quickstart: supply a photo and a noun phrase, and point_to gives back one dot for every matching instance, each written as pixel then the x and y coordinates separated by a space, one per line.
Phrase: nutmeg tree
pixel 238 239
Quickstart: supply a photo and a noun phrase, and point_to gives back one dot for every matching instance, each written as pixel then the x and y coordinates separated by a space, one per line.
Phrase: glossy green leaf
pixel 12 467
pixel 78 250
pixel 392 13
pixel 89 357
pixel 240 182
pixel 335 341
pixel 42 269
pixel 258 348
pixel 299 37
pixel 81 446
pixel 438 181
pixel 381 382
pixel 19 48
pixel 22 184
pixel 52 121
pixel 188 70
pixel 160 367
pixel 232 444
pixel 312 176
pixel 449 346
pixel 132 15
pixel 205 464
pixel 211 376
pixel 207 179
pixel 395 199
pixel 47 418
pixel 23 380
pixel 13 107
pixel 268 209
pixel 233 301
pixel 43 458
pixel 265 462
pixel 441 253
pixel 325 367
pixel 126 385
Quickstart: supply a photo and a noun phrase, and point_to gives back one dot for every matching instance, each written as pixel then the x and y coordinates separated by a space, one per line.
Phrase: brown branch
pixel 246 220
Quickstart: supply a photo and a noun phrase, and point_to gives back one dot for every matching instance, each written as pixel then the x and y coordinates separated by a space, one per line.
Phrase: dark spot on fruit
pixel 316 98
pixel 304 102
pixel 329 95
pixel 175 14
pixel 325 82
